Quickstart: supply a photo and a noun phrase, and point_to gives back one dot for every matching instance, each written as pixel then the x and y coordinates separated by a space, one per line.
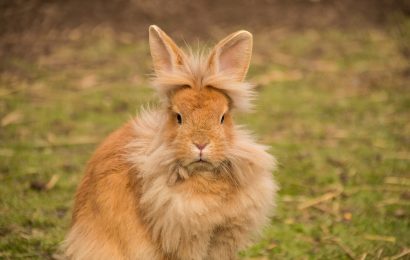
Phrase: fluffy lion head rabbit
pixel 182 181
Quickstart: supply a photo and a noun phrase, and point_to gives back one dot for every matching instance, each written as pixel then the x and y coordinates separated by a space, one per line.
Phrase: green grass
pixel 333 105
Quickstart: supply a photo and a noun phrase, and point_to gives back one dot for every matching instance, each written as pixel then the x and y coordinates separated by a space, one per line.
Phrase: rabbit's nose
pixel 201 146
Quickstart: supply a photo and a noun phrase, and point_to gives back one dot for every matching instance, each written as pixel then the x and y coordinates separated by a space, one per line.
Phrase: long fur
pixel 137 200
pixel 194 72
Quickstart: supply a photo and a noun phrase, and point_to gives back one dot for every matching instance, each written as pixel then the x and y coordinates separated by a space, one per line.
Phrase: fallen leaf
pixel 347 216
pixel 272 245
pixel 12 118
pixel 88 81
pixel 399 213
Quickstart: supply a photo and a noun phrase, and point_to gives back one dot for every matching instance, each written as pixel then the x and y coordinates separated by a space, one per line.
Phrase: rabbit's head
pixel 199 93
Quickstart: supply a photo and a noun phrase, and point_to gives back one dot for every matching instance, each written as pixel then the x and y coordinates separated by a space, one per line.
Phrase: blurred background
pixel 334 105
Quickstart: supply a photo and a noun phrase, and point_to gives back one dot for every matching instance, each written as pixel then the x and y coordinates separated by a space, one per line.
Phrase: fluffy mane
pixel 156 163
pixel 195 72
pixel 154 157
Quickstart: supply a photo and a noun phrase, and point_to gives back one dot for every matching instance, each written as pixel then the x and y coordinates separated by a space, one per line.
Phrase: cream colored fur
pixel 140 200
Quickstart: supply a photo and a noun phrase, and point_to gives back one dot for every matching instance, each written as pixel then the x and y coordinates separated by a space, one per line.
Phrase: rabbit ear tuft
pixel 232 55
pixel 165 53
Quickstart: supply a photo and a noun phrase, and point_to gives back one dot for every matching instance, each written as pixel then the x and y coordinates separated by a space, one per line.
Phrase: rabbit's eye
pixel 222 119
pixel 179 118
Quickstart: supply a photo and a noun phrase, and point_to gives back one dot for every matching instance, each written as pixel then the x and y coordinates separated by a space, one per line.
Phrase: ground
pixel 333 104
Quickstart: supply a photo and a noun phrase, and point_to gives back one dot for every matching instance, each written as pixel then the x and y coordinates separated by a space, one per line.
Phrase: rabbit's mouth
pixel 200 164
pixel 201 161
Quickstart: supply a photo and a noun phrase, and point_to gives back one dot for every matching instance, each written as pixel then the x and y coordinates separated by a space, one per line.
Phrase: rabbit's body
pixel 192 186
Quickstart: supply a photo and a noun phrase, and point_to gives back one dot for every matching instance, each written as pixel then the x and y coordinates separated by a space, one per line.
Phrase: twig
pixel 363 257
pixel 379 253
pixel 397 181
pixel 405 252
pixel 324 210
pixel 380 238
pixel 394 202
pixel 52 182
pixel 323 198
pixel 351 191
pixel 12 91
pixel 288 198
pixel 345 249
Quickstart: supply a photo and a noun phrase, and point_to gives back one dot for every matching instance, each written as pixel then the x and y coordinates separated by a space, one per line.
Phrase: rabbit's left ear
pixel 232 55
pixel 165 53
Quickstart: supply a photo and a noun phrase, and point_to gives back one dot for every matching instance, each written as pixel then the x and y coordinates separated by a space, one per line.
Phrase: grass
pixel 334 106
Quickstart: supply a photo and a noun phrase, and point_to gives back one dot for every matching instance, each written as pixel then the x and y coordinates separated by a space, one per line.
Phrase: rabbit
pixel 181 181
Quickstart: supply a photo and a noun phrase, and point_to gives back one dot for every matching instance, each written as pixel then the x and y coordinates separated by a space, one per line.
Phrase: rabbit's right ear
pixel 165 53
pixel 232 55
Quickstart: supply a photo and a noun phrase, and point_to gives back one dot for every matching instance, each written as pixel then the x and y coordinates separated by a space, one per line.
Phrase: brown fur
pixel 150 193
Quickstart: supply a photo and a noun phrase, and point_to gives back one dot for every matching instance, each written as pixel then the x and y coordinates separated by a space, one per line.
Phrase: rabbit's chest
pixel 202 200
pixel 195 204
pixel 196 208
